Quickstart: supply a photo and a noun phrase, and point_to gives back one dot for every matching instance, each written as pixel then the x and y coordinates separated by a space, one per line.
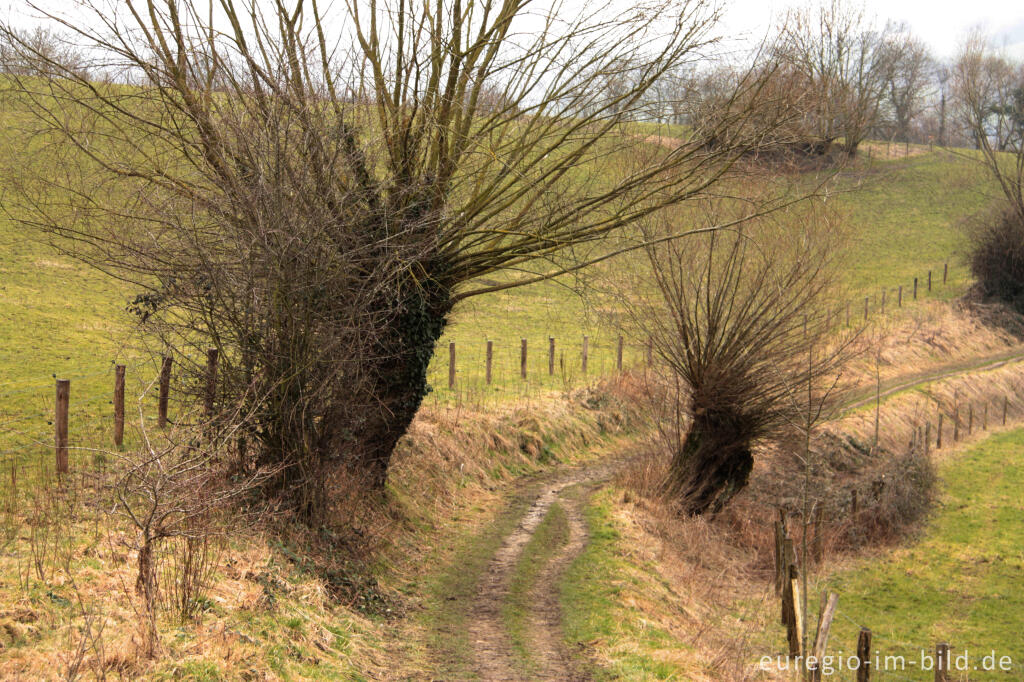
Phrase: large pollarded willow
pixel 312 188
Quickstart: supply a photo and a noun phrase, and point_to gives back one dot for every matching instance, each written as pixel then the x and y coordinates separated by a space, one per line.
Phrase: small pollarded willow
pixel 312 188
pixel 739 321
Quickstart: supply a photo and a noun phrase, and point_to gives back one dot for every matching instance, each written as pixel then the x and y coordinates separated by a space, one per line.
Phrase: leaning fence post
pixel 522 358
pixel 825 616
pixel 118 405
pixel 490 356
pixel 618 354
pixel 586 349
pixel 211 379
pixel 864 655
pixel 165 391
pixel 60 423
pixel 551 356
pixel 451 364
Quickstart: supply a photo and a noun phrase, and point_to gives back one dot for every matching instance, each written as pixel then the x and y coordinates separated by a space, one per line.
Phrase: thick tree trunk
pixel 713 464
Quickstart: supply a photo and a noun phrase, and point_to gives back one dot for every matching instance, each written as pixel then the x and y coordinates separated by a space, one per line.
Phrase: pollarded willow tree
pixel 311 189
pixel 748 350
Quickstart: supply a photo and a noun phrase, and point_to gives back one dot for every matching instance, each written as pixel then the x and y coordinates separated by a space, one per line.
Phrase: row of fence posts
pixel 787 586
pixel 899 294
pixel 584 358
pixel 63 403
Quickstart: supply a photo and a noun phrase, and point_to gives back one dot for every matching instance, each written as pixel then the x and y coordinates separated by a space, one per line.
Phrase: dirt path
pixel 494 657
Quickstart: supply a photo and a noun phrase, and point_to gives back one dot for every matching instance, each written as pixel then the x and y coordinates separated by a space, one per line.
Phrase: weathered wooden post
pixel 899 297
pixel 1005 402
pixel 853 502
pixel 942 662
pixel 118 405
pixel 490 356
pixel 586 352
pixel 938 437
pixel 551 356
pixel 60 424
pixel 929 280
pixel 984 417
pixel 165 391
pixel 451 364
pixel 864 655
pixel 522 358
pixel 956 422
pixel 927 437
pixel 945 272
pixel 795 626
pixel 915 288
pixel 829 602
pixel 970 418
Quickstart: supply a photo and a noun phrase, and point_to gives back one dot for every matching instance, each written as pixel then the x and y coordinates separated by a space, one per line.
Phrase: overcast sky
pixel 941 23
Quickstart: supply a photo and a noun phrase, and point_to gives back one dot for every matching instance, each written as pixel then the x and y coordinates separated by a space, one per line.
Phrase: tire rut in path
pixel 492 646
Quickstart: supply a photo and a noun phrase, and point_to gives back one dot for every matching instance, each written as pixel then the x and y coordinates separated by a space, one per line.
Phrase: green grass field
pixel 959 583
pixel 60 319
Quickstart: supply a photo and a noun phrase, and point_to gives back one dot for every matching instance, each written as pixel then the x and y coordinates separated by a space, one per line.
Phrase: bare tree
pixel 313 196
pixel 989 91
pixel 909 67
pixel 734 322
pixel 840 55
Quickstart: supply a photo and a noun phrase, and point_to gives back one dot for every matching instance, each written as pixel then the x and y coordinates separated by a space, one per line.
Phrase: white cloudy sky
pixel 941 23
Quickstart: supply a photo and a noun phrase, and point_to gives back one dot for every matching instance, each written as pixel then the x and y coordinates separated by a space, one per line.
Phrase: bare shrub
pixel 996 256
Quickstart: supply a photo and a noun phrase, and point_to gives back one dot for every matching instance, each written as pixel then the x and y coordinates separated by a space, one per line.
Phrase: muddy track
pixel 494 658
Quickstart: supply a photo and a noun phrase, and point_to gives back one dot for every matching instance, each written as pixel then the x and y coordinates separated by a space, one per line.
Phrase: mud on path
pixel 493 653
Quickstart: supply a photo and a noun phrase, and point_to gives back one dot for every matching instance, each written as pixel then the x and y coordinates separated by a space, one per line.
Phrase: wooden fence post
pixel 942 662
pixel 451 364
pixel 864 655
pixel 490 356
pixel 829 602
pixel 522 358
pixel 927 436
pixel 795 628
pixel 853 502
pixel 551 356
pixel 945 272
pixel 956 422
pixel 60 424
pixel 211 380
pixel 586 352
pixel 1005 401
pixel 984 418
pixel 915 288
pixel 970 418
pixel 938 437
pixel 929 280
pixel 780 550
pixel 618 354
pixel 165 391
pixel 118 405
pixel 899 297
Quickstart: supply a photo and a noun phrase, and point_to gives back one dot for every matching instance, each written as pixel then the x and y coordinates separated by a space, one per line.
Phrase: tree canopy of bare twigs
pixel 311 189
pixel 989 94
pixel 842 61
pixel 739 323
